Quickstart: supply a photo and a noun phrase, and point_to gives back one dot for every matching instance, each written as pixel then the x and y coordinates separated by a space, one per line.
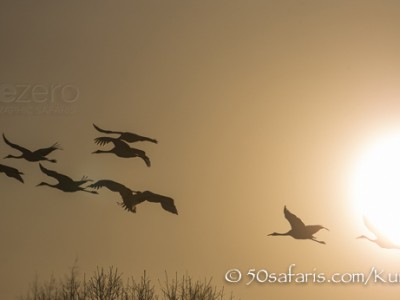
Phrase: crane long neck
pixel 48 184
pixel 367 238
pixel 280 234
pixel 13 156
pixel 104 151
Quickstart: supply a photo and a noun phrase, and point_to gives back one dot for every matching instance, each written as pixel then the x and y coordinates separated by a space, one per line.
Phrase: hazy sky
pixel 256 105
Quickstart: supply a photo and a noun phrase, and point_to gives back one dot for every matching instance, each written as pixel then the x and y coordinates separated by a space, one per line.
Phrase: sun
pixel 375 185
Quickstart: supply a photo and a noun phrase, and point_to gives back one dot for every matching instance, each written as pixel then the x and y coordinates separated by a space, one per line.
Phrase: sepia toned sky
pixel 255 104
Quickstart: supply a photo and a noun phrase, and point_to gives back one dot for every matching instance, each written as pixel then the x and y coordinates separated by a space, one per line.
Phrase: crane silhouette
pixel 33 156
pixel 127 136
pixel 11 172
pixel 380 239
pixel 65 183
pixel 132 198
pixel 121 149
pixel 299 230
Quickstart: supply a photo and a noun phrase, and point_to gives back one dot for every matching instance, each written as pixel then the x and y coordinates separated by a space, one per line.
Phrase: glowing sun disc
pixel 376 185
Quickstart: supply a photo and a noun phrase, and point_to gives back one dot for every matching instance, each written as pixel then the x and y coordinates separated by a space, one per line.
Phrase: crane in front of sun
pixel 380 239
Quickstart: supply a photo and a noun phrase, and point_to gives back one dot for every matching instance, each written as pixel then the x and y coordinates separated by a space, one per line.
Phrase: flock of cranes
pixel 130 198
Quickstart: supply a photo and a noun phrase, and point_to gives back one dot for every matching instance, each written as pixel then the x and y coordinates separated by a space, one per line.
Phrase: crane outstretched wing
pixel 15 146
pixel 106 131
pixel 129 137
pixel 378 234
pixel 128 202
pixel 111 185
pixel 295 222
pixel 5 169
pixel 54 174
pixel 103 140
pixel 128 205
